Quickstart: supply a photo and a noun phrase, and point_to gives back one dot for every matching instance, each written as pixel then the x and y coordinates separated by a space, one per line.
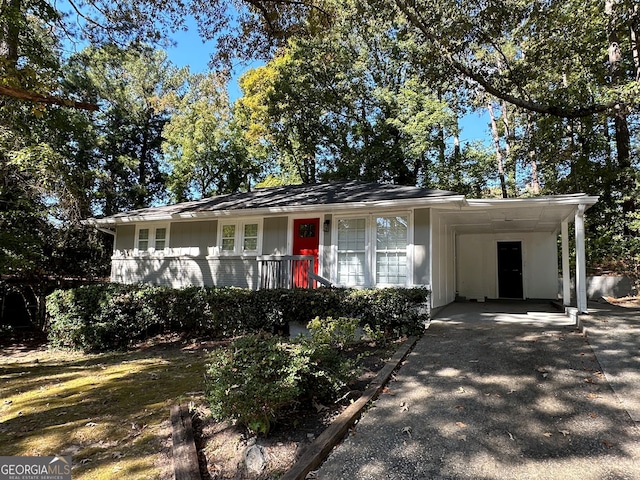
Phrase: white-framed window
pixel 239 237
pixel 352 243
pixel 152 238
pixel 392 233
pixel 160 240
pixel 228 237
pixel 143 239
pixel 372 250
pixel 250 237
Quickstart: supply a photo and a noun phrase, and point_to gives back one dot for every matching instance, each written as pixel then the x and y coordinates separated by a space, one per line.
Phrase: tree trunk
pixel 443 177
pixel 10 31
pixel 575 171
pixel 3 295
pixel 633 37
pixel 142 163
pixel 457 157
pixel 457 151
pixel 496 143
pixel 622 136
pixel 535 181
pixel 509 140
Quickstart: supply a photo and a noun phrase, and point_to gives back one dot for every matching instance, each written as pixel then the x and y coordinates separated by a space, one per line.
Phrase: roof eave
pixel 575 199
pixel 256 212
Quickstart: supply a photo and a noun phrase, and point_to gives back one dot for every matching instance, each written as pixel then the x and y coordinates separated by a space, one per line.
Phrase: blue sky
pixel 191 51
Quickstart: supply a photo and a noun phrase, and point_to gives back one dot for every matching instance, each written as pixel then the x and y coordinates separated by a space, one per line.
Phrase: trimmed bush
pixel 112 316
pixel 338 332
pixel 260 376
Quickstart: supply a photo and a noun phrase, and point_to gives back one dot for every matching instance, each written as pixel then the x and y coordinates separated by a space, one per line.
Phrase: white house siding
pixel 443 261
pixel 477 264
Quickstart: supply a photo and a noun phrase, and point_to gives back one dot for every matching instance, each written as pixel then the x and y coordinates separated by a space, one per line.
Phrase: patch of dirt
pixel 221 445
pixel 626 302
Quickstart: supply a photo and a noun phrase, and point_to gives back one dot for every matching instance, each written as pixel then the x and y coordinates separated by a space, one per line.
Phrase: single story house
pixel 356 234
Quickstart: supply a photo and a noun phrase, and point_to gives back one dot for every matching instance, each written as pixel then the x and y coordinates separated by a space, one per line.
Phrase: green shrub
pixel 338 332
pixel 111 316
pixel 396 311
pixel 71 312
pixel 260 376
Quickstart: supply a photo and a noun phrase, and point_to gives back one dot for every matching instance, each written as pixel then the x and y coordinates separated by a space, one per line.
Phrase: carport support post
pixel 581 277
pixel 566 269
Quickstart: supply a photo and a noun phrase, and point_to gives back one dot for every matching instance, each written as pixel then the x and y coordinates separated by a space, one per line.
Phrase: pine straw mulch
pixel 626 302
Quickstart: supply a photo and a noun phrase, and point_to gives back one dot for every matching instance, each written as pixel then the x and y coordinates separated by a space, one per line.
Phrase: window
pixel 307 230
pixel 250 239
pixel 161 237
pixel 143 239
pixel 372 250
pixel 391 250
pixel 351 251
pixel 152 239
pixel 228 238
pixel 238 238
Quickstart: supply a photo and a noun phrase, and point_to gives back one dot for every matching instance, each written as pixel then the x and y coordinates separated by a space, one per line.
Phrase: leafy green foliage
pixel 259 376
pixel 342 332
pixel 349 105
pixel 338 332
pixel 204 145
pixel 111 316
pixel 129 84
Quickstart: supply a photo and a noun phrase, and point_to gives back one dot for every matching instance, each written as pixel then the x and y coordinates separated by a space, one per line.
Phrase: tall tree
pixel 351 105
pixel 204 146
pixel 128 84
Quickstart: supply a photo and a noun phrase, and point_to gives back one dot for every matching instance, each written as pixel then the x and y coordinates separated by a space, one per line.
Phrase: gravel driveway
pixel 494 391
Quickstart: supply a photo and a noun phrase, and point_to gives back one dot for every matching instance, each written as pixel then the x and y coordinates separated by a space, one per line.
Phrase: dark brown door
pixel 510 270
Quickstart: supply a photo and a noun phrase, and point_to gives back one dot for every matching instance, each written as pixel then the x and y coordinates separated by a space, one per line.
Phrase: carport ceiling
pixel 538 214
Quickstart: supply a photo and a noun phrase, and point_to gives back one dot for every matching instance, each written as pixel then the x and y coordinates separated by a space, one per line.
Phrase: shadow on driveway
pixel 494 391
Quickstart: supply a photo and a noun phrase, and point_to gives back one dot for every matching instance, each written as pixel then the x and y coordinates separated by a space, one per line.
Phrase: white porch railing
pixel 288 271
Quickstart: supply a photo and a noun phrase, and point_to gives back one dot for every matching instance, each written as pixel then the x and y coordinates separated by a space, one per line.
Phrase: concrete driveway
pixel 614 335
pixel 494 391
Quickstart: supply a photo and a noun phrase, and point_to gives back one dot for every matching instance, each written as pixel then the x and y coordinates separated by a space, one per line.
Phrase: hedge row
pixel 112 316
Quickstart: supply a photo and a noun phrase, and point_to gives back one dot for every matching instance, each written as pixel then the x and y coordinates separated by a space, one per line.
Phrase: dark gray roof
pixel 294 196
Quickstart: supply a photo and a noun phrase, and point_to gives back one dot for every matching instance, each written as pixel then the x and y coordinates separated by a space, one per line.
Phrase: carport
pixel 507 249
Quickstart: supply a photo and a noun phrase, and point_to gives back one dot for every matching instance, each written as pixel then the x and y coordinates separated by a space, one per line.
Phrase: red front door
pixel 306 239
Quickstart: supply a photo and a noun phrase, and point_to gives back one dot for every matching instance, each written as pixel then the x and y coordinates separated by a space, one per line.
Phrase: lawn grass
pixel 110 412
